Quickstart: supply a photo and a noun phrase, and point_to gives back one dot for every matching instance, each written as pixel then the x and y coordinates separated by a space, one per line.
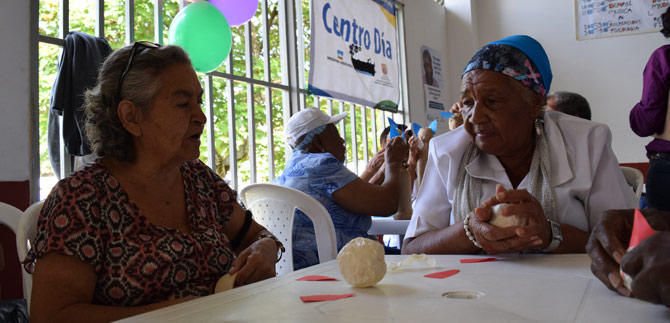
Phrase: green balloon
pixel 202 30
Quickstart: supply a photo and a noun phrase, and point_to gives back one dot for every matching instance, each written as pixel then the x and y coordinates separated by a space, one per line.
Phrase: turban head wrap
pixel 520 57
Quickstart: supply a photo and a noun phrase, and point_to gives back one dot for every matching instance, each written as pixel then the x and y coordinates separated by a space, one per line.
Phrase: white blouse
pixel 584 172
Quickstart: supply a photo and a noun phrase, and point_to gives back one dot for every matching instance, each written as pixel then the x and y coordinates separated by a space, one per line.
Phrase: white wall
pixel 607 71
pixel 14 91
pixel 425 24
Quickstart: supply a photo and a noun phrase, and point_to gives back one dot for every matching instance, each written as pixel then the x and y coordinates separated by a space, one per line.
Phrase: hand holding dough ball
pixel 455 121
pixel 503 221
pixel 361 262
pixel 225 283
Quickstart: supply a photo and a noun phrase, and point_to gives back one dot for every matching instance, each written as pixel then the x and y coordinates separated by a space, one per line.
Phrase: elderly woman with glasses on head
pixel 317 169
pixel 555 173
pixel 148 225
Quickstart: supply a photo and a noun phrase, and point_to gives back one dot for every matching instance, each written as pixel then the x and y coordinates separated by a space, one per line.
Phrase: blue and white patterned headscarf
pixel 520 57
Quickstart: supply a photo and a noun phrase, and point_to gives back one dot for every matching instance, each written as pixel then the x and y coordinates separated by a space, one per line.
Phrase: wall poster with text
pixel 354 51
pixel 608 18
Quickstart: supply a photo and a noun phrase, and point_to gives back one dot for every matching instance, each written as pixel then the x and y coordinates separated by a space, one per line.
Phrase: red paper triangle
pixel 443 274
pixel 473 260
pixel 641 230
pixel 321 298
pixel 316 278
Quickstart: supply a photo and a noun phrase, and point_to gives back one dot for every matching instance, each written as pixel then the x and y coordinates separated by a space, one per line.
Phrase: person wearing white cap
pixel 317 168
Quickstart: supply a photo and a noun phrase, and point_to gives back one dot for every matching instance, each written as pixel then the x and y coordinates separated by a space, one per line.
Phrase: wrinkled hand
pixel 396 150
pixel 414 151
pixel 255 263
pixel 649 265
pixel 513 239
pixel 377 160
pixel 658 220
pixel 456 107
pixel 606 247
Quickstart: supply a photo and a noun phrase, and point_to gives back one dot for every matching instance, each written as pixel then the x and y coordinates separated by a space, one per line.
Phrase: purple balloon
pixel 237 12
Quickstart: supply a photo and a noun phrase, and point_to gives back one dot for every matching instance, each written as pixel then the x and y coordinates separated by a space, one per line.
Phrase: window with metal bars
pixel 248 99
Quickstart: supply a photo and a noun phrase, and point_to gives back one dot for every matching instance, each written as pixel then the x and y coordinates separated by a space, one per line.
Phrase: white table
pixel 388 225
pixel 518 288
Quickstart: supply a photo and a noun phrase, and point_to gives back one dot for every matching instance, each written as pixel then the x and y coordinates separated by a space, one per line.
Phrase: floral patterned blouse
pixel 89 216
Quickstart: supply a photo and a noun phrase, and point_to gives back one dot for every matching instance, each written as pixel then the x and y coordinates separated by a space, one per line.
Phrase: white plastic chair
pixel 274 206
pixel 25 235
pixel 635 179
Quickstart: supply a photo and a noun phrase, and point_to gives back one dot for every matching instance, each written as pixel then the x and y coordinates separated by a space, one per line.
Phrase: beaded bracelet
pixel 468 233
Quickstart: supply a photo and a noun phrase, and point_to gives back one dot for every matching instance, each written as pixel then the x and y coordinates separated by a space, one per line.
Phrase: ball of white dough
pixel 361 262
pixel 502 221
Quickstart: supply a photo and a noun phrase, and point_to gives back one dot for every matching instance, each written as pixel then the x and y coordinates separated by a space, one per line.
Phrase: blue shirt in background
pixel 319 175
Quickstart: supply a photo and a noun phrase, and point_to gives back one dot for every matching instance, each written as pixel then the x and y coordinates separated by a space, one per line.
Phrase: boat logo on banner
pixel 354 52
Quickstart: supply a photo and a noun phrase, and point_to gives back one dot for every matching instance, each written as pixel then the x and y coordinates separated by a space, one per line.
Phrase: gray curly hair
pixel 104 130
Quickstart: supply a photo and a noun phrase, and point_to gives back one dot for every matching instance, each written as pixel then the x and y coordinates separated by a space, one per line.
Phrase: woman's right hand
pixel 396 151
pixel 456 107
pixel 649 265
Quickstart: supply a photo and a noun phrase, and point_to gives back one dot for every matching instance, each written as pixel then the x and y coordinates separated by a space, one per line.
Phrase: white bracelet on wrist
pixel 468 233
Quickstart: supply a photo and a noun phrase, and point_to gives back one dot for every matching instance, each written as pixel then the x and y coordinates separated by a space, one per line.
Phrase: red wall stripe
pixel 18 195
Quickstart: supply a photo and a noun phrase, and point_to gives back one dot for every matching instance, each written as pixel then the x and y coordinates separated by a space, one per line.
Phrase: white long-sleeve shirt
pixel 584 172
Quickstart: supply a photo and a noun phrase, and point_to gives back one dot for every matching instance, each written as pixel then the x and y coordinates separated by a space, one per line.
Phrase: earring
pixel 538 127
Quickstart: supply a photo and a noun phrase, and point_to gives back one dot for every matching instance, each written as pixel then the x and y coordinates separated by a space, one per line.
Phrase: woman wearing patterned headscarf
pixel 556 173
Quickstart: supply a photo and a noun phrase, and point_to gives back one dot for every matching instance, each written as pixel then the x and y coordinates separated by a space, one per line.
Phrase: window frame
pixel 292 85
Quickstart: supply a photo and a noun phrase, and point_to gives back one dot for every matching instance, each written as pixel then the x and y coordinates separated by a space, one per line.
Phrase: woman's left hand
pixel 535 234
pixel 255 263
pixel 526 205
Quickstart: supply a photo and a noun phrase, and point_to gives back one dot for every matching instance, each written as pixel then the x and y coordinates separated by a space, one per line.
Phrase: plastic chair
pixel 274 206
pixel 25 234
pixel 635 179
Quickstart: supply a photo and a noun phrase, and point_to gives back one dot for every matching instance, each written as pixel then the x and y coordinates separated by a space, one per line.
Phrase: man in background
pixel 570 103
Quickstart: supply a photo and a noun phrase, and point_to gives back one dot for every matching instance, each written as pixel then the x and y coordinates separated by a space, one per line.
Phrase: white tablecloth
pixel 518 288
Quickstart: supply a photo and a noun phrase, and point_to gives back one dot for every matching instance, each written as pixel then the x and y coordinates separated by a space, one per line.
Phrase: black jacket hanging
pixel 82 56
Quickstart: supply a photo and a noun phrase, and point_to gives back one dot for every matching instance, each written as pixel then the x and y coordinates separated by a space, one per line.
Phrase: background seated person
pixel 557 172
pixel 648 263
pixel 569 102
pixel 148 225
pixel 317 169
pixel 374 171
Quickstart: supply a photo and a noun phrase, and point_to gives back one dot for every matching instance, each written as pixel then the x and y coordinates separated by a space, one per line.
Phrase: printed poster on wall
pixel 608 18
pixel 433 85
pixel 354 51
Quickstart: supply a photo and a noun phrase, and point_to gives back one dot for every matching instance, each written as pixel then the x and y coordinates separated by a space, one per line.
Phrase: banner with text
pixel 354 51
pixel 607 18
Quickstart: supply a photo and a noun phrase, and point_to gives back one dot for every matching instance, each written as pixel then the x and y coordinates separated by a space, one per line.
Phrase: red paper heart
pixel 473 260
pixel 321 298
pixel 316 278
pixel 443 274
